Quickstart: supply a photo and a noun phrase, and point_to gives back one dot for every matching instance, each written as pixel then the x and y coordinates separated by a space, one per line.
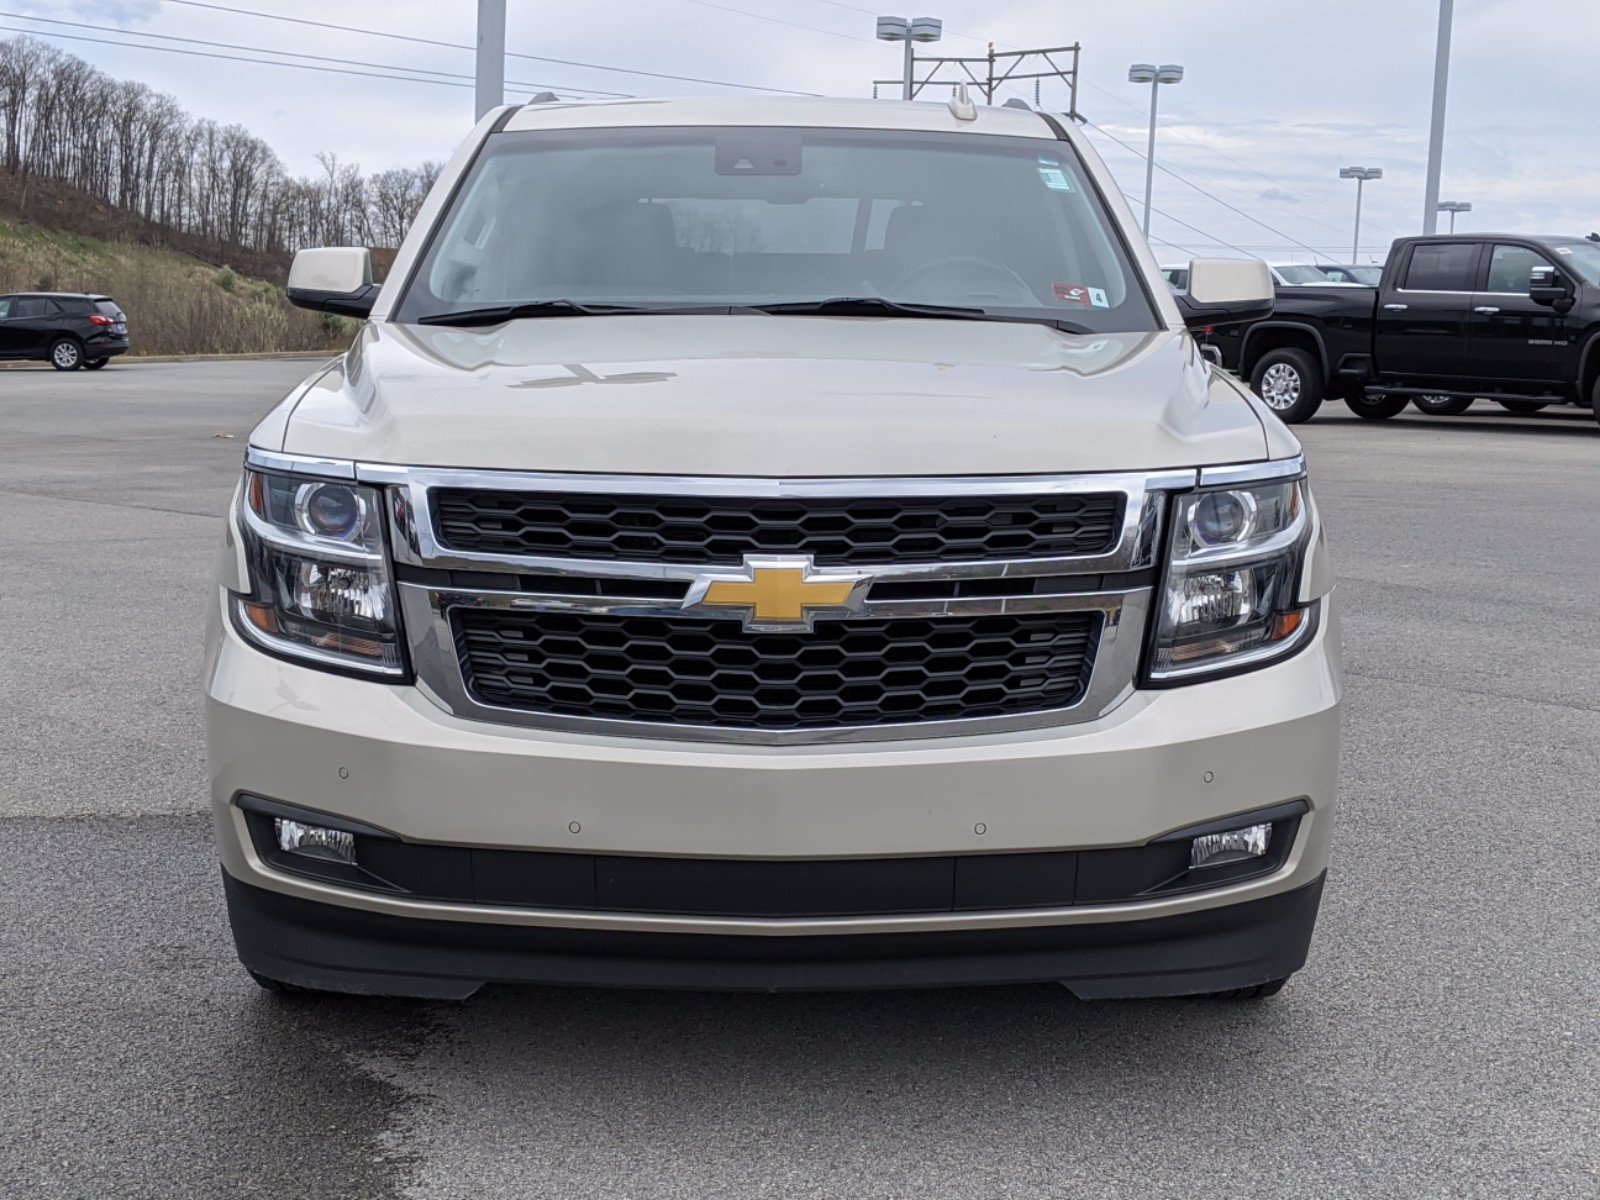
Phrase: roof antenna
pixel 961 106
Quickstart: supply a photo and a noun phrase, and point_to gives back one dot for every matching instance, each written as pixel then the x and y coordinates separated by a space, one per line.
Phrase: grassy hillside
pixel 175 304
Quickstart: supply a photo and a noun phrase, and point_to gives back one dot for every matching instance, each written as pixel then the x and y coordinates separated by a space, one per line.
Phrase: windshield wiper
pixel 877 306
pixel 869 306
pixel 498 313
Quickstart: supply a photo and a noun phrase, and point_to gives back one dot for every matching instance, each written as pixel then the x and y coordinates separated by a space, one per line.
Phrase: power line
pixel 1244 166
pixel 777 20
pixel 265 62
pixel 1203 192
pixel 354 62
pixel 1214 239
pixel 422 41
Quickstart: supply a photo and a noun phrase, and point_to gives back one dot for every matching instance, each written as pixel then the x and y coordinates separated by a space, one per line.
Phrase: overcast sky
pixel 1277 95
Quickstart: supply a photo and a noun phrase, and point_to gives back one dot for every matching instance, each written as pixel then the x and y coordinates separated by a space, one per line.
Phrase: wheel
pixel 1258 991
pixel 1376 408
pixel 1289 382
pixel 1442 406
pixel 66 355
pixel 94 364
pixel 1521 407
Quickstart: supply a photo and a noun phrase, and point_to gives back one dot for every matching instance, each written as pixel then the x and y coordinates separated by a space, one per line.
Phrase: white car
pixel 1301 275
pixel 773 544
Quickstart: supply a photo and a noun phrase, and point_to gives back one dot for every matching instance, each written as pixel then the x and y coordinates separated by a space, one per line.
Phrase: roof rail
pixel 1018 102
pixel 545 98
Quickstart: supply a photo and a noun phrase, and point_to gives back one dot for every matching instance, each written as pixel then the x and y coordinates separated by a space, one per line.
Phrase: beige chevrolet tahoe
pixel 773 544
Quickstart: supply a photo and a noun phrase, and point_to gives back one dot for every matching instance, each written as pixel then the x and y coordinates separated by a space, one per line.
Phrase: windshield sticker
pixel 1563 249
pixel 1076 293
pixel 1054 177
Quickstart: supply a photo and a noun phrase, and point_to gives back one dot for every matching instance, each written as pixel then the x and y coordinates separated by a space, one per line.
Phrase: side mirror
pixel 1547 287
pixel 1226 291
pixel 336 279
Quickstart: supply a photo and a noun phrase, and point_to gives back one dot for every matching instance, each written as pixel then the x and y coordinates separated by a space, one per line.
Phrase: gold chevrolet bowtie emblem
pixel 778 593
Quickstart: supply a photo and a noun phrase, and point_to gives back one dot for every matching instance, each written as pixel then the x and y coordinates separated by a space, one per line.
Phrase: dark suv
pixel 68 330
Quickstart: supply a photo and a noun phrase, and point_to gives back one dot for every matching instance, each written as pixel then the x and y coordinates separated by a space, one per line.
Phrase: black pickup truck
pixel 1511 318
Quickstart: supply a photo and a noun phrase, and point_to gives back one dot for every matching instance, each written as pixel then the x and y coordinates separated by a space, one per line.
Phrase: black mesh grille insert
pixel 694 671
pixel 697 529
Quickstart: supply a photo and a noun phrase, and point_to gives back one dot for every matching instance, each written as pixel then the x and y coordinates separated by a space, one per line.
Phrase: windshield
pixel 1297 273
pixel 664 218
pixel 1582 257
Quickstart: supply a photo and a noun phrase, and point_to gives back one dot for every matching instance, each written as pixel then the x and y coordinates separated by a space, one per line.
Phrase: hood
pixel 772 396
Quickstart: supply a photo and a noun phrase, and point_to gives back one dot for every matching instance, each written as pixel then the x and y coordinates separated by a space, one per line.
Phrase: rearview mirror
pixel 1226 291
pixel 1547 287
pixel 334 279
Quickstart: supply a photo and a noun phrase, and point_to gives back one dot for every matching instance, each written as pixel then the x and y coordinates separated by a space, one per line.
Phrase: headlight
pixel 1233 580
pixel 319 578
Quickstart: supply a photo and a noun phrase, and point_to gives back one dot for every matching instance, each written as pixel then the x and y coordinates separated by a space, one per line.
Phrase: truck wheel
pixel 66 354
pixel 1521 407
pixel 1289 382
pixel 1442 406
pixel 1376 408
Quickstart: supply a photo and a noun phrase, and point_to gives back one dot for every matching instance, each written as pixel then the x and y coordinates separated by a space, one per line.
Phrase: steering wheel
pixel 981 269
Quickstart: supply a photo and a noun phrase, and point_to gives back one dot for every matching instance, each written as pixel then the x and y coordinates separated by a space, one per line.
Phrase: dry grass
pixel 175 304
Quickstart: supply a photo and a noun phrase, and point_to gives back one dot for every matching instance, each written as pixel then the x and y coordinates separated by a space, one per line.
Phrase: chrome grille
pixel 872 530
pixel 842 674
pixel 1039 620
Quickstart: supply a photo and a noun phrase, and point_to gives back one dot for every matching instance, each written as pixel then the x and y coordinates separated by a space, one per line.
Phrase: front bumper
pixel 302 942
pixel 388 757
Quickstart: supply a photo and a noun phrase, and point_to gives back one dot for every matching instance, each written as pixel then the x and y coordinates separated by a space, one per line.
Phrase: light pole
pixel 491 79
pixel 917 29
pixel 1155 76
pixel 1441 81
pixel 1360 175
pixel 1453 207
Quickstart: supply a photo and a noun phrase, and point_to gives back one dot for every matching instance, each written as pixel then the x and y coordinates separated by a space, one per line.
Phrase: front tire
pixel 1442 406
pixel 94 364
pixel 1521 407
pixel 1376 408
pixel 1289 382
pixel 66 354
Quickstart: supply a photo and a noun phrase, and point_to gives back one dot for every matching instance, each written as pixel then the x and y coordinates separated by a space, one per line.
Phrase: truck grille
pixel 708 530
pixel 852 673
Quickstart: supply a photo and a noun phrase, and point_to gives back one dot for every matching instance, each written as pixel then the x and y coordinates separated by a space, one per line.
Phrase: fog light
pixel 1215 849
pixel 315 841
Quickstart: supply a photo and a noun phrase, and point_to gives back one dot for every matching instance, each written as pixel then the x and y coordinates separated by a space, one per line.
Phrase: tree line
pixel 136 149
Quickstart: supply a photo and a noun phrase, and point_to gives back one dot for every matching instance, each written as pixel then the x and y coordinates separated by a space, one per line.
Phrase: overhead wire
pixel 544 58
pixel 1244 166
pixel 1188 183
pixel 266 62
pixel 354 62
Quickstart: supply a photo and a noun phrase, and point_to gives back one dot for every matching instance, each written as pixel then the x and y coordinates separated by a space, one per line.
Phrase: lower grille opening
pixel 694 671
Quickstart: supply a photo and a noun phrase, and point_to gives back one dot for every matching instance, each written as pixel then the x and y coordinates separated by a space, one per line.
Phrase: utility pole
pixel 491 86
pixel 1441 82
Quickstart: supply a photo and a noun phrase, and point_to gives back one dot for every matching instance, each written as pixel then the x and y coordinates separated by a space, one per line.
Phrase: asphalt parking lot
pixel 1442 1042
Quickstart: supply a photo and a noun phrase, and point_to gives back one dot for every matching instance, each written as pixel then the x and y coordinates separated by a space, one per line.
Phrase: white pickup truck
pixel 773 544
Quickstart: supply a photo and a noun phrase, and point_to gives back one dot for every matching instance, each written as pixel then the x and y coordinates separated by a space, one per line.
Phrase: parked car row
pixel 1453 318
pixel 66 329
pixel 1294 275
